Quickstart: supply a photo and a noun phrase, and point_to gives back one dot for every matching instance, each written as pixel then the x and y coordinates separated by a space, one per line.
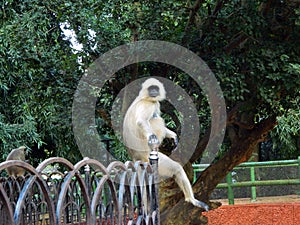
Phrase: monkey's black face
pixel 153 91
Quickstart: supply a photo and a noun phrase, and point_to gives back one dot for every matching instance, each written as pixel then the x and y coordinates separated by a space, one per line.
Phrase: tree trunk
pixel 174 210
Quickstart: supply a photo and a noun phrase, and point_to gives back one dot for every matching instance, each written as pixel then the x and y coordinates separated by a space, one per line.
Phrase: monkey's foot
pixel 200 204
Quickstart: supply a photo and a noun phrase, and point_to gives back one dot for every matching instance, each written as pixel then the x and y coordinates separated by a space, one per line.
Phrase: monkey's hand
pixel 153 142
pixel 172 135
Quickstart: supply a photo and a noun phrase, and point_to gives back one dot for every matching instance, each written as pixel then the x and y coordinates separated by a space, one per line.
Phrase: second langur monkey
pixel 16 154
pixel 143 125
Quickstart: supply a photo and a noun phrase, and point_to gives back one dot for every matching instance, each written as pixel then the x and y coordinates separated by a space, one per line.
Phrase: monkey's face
pixel 153 91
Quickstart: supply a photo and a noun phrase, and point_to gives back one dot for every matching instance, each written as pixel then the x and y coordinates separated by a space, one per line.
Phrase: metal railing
pixel 84 193
pixel 253 183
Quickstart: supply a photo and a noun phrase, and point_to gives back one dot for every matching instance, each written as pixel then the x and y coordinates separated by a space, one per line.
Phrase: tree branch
pixel 193 13
pixel 241 38
pixel 192 19
pixel 217 9
pixel 200 148
pixel 239 152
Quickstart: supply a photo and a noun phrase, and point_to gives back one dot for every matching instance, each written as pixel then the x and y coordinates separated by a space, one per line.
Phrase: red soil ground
pixel 265 211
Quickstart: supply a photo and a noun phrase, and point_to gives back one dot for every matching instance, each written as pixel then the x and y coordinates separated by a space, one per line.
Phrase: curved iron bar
pixel 96 202
pixel 133 191
pixel 26 189
pixel 83 189
pixel 142 185
pixel 84 193
pixel 5 206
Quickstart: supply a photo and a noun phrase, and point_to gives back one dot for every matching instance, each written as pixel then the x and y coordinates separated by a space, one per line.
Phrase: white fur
pixel 142 120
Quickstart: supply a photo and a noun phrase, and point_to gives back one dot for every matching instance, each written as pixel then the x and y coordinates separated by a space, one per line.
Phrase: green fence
pixel 253 182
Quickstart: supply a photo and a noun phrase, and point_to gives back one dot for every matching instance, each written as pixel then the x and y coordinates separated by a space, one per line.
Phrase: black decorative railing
pixel 58 192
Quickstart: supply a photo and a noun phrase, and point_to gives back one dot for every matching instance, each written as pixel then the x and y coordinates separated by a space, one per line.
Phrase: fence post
pixel 230 190
pixel 154 162
pixel 253 188
pixel 194 175
pixel 87 179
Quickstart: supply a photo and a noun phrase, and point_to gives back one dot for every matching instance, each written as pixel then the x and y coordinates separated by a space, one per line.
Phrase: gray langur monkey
pixel 16 154
pixel 144 126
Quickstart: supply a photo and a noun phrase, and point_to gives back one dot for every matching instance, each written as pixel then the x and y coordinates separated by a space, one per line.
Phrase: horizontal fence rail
pixel 253 183
pixel 58 192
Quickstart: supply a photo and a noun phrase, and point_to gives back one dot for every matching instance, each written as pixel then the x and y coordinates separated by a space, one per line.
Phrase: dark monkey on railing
pixel 16 154
pixel 143 127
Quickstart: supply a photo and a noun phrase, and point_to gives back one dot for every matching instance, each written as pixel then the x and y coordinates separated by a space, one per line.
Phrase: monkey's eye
pixel 153 87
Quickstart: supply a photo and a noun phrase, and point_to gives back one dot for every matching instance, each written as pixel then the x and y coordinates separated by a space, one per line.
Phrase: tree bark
pixel 173 208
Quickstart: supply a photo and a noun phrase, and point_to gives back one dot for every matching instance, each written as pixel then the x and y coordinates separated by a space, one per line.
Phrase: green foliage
pixel 37 80
pixel 253 53
pixel 12 135
pixel 286 135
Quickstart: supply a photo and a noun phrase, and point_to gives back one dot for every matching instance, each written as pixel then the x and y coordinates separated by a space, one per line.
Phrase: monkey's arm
pixel 144 125
pixel 146 112
pixel 152 139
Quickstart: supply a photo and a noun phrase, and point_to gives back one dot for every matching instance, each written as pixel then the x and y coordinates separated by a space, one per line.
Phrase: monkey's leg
pixel 169 168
